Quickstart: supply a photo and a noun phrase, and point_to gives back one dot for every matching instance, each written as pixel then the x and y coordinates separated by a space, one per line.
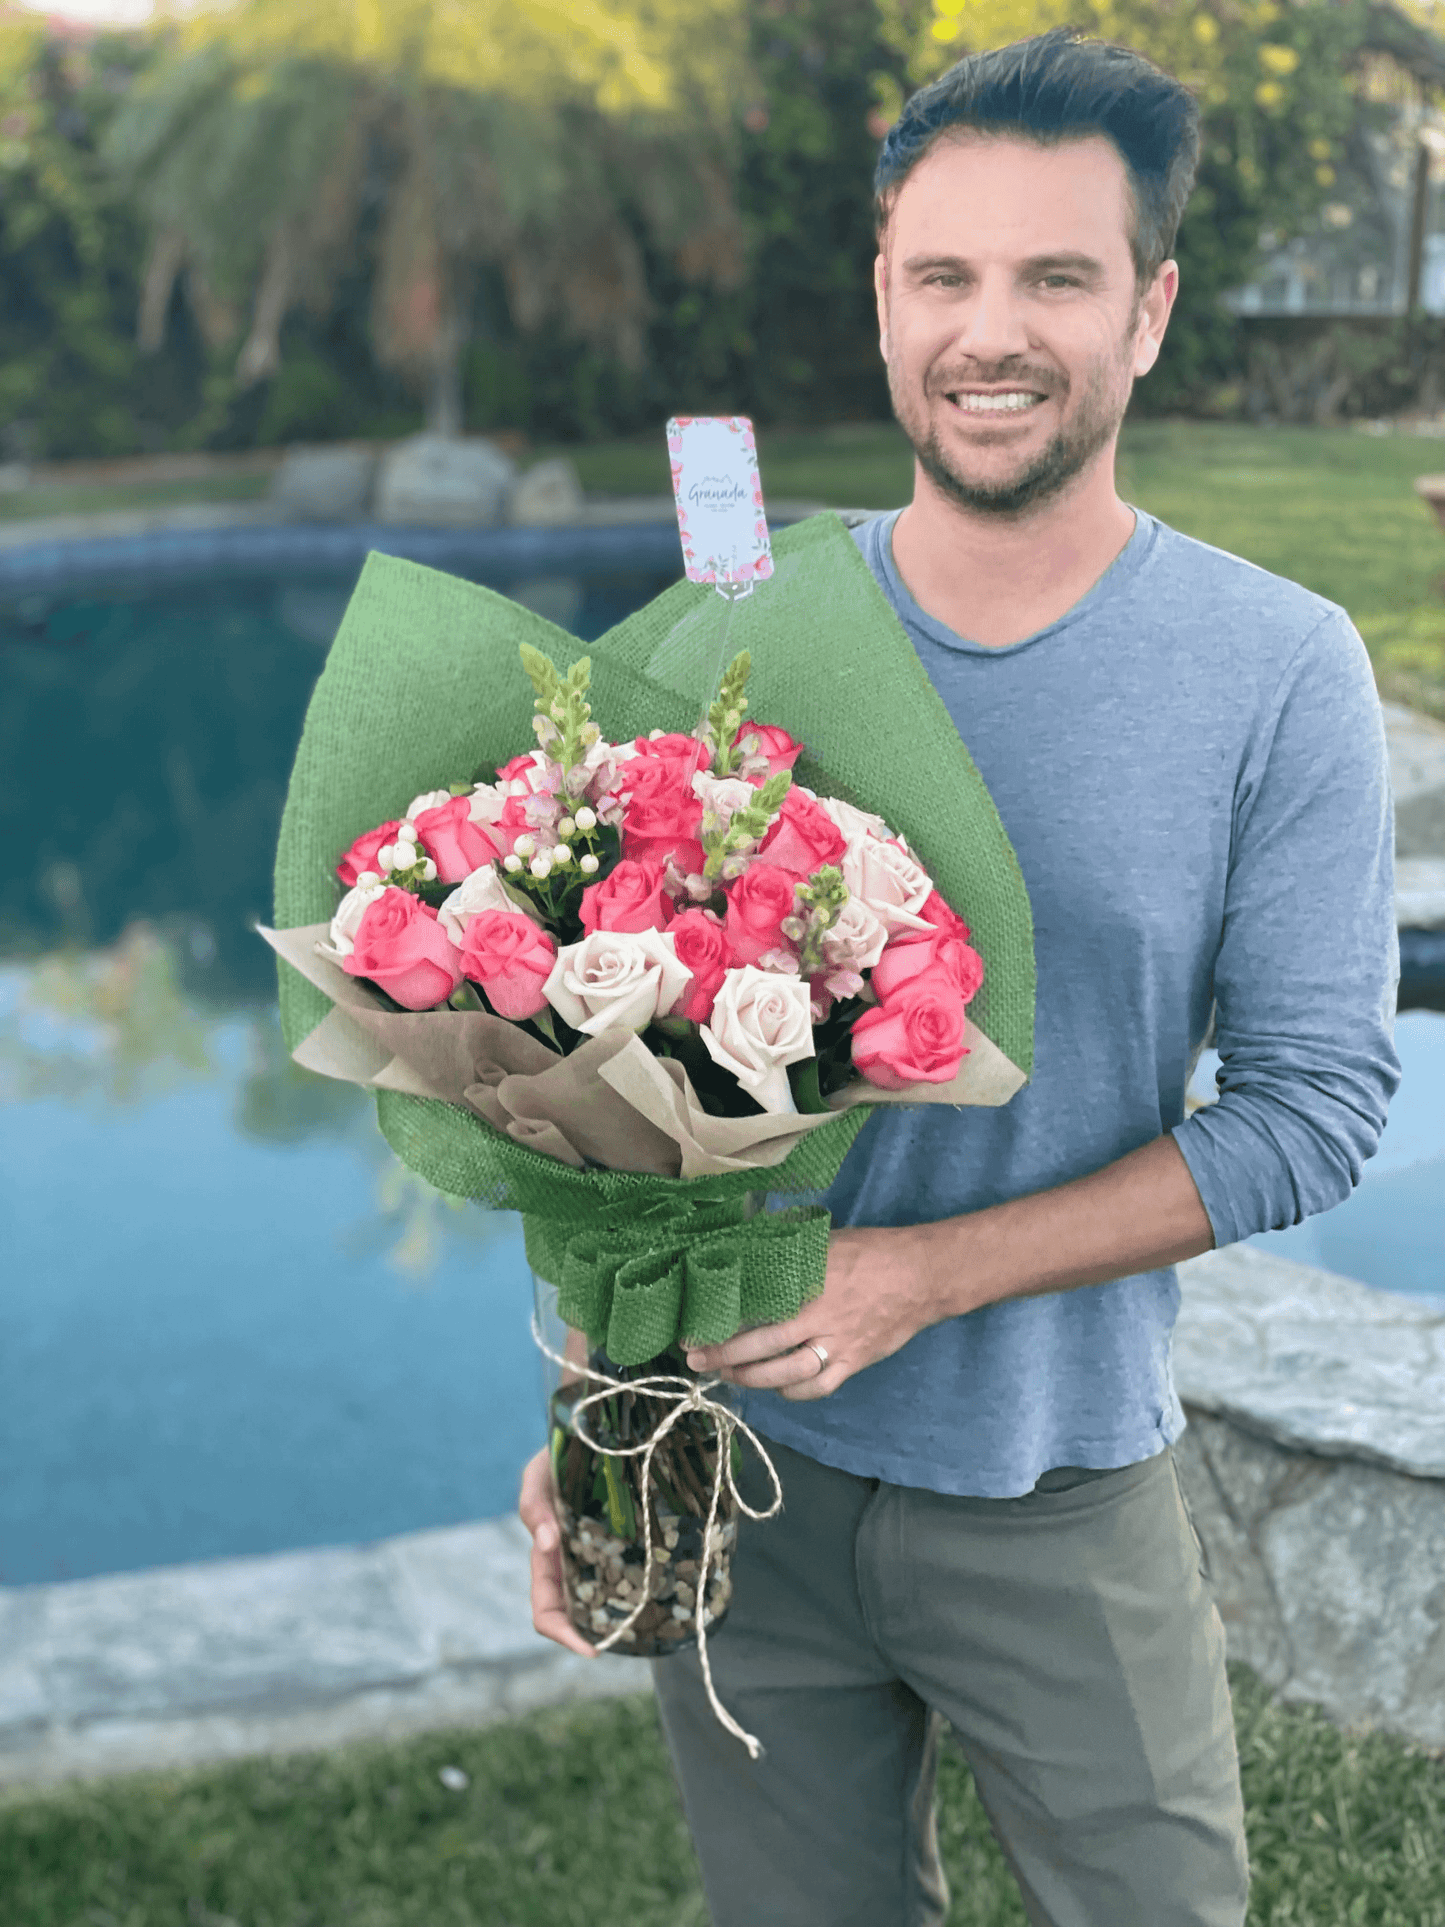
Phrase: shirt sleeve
pixel 1308 962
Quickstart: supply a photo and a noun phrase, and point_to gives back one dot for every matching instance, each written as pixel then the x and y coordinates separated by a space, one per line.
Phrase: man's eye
pixel 1060 281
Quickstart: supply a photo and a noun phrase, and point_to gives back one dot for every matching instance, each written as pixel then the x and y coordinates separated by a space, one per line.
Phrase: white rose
pixel 855 938
pixel 349 912
pixel 428 800
pixel 616 980
pixel 482 890
pixel 487 803
pixel 760 1024
pixel 855 823
pixel 890 881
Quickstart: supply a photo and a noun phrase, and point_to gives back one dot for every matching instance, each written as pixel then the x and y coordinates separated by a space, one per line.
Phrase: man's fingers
pixel 534 1501
pixel 549 1603
pixel 821 1384
pixel 765 1341
pixel 775 1374
pixel 549 1595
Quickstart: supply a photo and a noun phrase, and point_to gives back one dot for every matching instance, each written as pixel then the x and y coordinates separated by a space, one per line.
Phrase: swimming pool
pixel 230 1323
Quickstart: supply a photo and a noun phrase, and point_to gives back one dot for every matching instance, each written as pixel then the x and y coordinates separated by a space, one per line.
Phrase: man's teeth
pixel 1016 398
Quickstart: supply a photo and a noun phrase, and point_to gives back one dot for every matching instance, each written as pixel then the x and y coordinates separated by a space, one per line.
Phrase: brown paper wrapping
pixel 610 1103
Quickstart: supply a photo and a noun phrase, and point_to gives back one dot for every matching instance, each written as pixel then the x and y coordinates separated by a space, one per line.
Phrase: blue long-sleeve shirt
pixel 1191 767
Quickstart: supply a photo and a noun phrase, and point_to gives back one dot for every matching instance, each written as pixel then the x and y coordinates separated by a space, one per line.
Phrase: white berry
pixel 541 867
pixel 525 845
pixel 512 863
pixel 586 819
pixel 589 865
pixel 561 856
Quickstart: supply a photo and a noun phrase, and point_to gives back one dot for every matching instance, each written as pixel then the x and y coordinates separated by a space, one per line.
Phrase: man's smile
pixel 1005 401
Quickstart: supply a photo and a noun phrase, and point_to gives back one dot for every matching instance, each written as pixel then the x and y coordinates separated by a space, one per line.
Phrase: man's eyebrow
pixel 1036 264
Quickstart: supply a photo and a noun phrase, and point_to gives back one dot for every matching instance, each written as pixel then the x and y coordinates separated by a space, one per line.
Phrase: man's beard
pixel 1078 441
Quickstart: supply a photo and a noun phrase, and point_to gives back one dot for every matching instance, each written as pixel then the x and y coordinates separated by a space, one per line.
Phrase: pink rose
pixel 913 954
pixel 511 959
pixel 663 816
pixel 757 904
pixel 511 822
pixel 803 837
pixel 362 854
pixel 519 769
pixel 917 1037
pixel 944 917
pixel 774 743
pixel 631 898
pixel 453 841
pixel 701 944
pixel 401 948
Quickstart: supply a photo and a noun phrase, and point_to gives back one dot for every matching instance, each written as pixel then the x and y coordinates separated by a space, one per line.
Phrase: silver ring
pixel 821 1350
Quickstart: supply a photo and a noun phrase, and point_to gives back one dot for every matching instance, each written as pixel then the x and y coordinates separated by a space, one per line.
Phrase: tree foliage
pixel 545 140
pixel 67 245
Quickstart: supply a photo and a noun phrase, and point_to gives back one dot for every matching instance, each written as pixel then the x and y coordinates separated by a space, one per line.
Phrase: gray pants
pixel 1067 1638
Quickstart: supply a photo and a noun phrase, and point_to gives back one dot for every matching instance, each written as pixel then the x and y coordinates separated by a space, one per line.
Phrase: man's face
pixel 1011 322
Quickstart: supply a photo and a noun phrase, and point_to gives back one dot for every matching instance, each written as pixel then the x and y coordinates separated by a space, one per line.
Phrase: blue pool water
pixel 229 1321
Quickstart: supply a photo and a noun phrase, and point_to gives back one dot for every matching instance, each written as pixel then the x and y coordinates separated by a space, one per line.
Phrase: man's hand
pixel 549 1598
pixel 882 1286
pixel 877 1293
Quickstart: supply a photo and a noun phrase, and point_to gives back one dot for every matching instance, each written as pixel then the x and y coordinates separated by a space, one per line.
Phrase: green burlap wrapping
pixel 423 685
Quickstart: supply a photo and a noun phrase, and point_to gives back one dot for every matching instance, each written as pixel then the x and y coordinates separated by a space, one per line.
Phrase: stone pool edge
pixel 1313 1467
pixel 189 1665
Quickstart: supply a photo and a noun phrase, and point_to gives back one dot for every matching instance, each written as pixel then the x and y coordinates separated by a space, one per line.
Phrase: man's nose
pixel 992 325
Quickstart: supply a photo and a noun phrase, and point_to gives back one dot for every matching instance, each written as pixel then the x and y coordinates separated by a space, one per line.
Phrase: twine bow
pixel 637 1281
pixel 687 1395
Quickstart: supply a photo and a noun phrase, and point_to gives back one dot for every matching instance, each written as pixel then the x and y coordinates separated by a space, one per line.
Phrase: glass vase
pixel 602 1509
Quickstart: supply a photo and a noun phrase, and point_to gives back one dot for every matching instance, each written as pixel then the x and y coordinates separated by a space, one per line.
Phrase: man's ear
pixel 1154 311
pixel 880 290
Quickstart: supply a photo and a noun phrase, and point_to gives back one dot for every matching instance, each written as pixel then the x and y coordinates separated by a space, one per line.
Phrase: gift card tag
pixel 719 500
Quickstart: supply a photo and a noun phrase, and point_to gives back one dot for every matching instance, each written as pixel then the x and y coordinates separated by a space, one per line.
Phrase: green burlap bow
pixel 701 1268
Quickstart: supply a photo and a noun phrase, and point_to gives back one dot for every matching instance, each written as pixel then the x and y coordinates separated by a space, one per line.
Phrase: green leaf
pixel 803 1079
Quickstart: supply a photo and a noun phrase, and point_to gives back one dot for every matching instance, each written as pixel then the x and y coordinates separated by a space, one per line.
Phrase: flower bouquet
pixel 644 979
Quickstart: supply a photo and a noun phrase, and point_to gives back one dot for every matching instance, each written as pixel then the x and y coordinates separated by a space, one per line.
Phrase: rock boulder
pixel 324 484
pixel 433 481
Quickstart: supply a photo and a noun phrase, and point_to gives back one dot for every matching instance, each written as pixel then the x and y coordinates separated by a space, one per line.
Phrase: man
pixel 973 1421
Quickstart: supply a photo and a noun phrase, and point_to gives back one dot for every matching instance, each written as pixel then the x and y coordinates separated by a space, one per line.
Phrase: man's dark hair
pixel 1057 87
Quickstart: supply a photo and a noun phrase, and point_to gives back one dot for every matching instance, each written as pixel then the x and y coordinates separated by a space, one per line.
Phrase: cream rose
pixel 855 822
pixel 760 1024
pixel 488 800
pixel 855 939
pixel 722 796
pixel 349 912
pixel 893 884
pixel 428 800
pixel 482 890
pixel 616 980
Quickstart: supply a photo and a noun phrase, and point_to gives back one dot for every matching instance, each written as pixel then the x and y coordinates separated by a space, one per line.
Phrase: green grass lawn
pixel 570 1820
pixel 98 497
